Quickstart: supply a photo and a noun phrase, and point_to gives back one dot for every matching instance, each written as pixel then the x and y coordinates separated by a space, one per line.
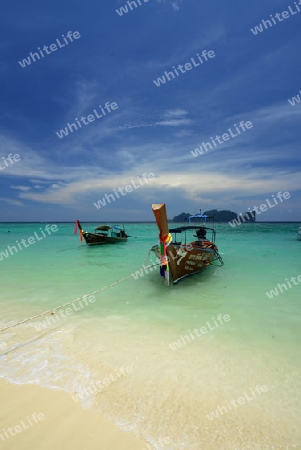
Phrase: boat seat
pixel 204 244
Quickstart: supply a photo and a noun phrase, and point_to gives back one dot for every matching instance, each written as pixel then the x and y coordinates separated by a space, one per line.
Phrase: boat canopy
pixel 103 228
pixel 189 227
pixel 197 216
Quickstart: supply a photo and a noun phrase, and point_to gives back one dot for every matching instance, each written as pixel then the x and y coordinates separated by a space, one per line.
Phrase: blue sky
pixel 154 128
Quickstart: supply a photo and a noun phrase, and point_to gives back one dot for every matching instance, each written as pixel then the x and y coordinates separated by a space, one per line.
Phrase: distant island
pixel 220 216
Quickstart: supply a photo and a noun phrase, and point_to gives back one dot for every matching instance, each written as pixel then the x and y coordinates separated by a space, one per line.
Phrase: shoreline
pixel 65 424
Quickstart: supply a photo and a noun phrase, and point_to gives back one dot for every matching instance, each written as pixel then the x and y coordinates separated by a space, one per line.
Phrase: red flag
pixel 76 227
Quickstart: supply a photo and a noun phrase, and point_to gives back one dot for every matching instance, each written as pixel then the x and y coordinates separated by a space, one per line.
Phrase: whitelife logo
pixel 62 314
pixel 90 118
pixel 159 444
pixel 203 330
pixel 155 263
pixel 262 208
pixel 139 273
pixel 9 160
pixel 124 9
pixel 24 425
pixel 53 48
pixel 244 126
pixel 295 100
pixel 128 188
pixel 274 292
pixel 99 385
pixel 188 66
pixel 31 240
pixel 280 17
pixel 241 401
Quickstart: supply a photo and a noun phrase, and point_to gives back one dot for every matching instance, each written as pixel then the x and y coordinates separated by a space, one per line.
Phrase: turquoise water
pixel 168 392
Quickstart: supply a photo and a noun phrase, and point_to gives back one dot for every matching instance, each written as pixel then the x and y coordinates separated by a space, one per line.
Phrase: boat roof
pixel 199 216
pixel 107 227
pixel 188 227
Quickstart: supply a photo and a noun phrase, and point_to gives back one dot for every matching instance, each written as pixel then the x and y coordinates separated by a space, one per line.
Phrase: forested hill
pixel 219 216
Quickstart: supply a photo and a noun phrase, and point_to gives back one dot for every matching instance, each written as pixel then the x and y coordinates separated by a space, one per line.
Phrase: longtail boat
pixel 104 234
pixel 177 257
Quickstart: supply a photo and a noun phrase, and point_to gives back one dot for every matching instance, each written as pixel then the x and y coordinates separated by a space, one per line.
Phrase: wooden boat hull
pixel 105 234
pixel 187 260
pixel 99 239
pixel 180 259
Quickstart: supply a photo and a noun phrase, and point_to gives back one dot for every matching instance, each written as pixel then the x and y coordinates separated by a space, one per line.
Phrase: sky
pixel 149 127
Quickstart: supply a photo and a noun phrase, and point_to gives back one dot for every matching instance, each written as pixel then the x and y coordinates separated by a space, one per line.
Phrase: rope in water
pixel 68 303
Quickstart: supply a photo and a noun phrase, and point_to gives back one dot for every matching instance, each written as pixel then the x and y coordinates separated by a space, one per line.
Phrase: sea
pixel 210 363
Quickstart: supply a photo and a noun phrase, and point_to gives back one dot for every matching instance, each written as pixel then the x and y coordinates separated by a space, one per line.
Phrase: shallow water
pixel 170 390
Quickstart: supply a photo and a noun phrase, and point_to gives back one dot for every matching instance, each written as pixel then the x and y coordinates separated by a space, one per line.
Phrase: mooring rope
pixel 68 303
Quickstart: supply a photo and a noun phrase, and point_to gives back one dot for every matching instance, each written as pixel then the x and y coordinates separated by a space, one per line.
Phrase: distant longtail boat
pixel 104 234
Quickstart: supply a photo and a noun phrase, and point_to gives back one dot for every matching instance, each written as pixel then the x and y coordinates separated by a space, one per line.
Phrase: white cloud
pixel 11 201
pixel 170 113
pixel 175 4
pixel 175 122
pixel 174 118
pixel 21 188
pixel 190 184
